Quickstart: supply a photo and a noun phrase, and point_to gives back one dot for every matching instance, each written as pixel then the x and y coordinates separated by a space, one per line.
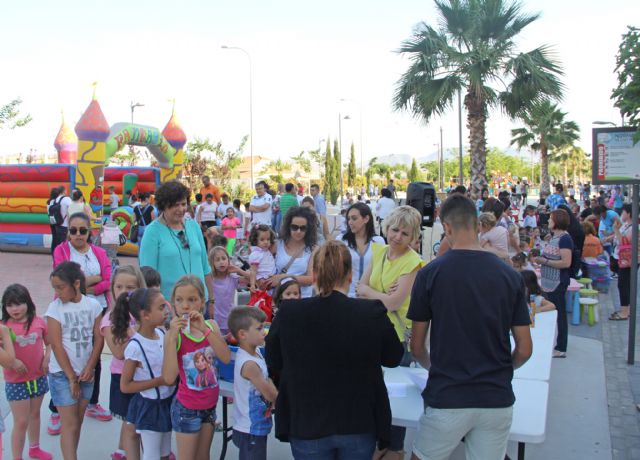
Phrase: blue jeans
pixel 336 447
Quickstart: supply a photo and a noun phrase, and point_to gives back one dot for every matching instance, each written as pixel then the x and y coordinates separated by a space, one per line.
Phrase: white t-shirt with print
pixel 76 321
pixel 263 217
pixel 155 354
pixel 90 267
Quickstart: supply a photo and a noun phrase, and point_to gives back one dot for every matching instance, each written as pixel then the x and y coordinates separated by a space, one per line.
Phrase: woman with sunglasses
pixel 295 247
pixel 96 266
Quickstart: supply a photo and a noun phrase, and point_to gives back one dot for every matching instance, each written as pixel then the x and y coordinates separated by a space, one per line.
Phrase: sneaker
pixel 54 427
pixel 98 412
pixel 118 456
pixel 36 452
pixel 172 456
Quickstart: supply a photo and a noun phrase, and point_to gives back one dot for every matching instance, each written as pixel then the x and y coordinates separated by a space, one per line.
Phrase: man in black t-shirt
pixel 470 300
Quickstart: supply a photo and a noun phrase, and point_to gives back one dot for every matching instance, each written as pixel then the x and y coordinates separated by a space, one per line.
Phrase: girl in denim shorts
pixel 73 324
pixel 26 381
pixel 191 347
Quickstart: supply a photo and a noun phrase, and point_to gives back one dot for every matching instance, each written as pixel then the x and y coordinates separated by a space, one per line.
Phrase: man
pixel 470 313
pixel 114 199
pixel 587 211
pixel 210 188
pixel 288 199
pixel 260 205
pixel 392 189
pixel 557 198
pixel 321 205
pixel 525 192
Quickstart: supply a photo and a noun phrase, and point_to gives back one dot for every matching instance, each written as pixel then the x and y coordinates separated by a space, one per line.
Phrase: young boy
pixel 254 392
pixel 113 198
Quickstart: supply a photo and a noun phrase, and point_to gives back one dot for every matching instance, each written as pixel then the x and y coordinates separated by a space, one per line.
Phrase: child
pixel 193 409
pixel 533 290
pixel 288 289
pixel 521 262
pixel 150 407
pixel 240 215
pixel 230 225
pixel 254 392
pixel 492 237
pixel 225 283
pixel 207 212
pixel 536 241
pixel 7 359
pixel 263 264
pixel 125 279
pixel 73 325
pixel 151 277
pixel 529 217
pixel 26 380
pixel 592 245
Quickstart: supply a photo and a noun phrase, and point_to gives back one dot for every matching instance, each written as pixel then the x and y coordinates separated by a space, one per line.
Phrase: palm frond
pixel 429 97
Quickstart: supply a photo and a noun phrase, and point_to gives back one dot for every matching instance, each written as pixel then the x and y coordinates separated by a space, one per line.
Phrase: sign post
pixel 616 161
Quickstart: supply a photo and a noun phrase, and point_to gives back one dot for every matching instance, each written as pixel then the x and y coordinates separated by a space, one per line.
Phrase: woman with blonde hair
pixel 324 348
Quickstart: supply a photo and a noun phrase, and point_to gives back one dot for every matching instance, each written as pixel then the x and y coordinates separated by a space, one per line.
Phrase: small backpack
pixel 55 212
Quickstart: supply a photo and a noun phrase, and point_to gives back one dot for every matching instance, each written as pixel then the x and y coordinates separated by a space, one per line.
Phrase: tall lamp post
pixel 133 107
pixel 225 47
pixel 340 118
pixel 360 120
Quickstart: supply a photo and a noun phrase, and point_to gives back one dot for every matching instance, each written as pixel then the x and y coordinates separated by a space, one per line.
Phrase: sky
pixel 305 58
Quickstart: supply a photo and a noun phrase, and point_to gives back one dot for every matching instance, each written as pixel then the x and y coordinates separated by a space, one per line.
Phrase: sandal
pixel 616 316
pixel 559 354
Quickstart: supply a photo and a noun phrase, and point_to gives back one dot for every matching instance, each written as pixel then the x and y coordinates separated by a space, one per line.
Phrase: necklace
pixel 181 243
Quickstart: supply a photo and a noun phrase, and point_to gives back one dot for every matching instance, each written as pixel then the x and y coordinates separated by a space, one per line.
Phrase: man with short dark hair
pixel 470 300
pixel 557 198
pixel 392 189
pixel 260 206
pixel 321 205
pixel 208 187
pixel 288 199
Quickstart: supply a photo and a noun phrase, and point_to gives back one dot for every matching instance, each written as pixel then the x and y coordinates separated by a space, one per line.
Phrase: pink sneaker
pixel 36 452
pixel 118 456
pixel 98 412
pixel 54 427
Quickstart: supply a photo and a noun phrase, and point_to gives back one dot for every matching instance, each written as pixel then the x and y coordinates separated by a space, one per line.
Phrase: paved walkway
pixel 592 402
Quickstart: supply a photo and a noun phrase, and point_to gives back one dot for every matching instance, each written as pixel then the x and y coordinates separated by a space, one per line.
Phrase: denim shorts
pixel 61 391
pixel 186 420
pixel 26 390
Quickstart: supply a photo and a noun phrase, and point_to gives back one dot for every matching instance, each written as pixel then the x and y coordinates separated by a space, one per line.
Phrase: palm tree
pixel 574 159
pixel 545 130
pixel 474 51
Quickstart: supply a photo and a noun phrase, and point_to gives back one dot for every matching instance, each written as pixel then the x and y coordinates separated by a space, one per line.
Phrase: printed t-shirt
pixel 198 387
pixel 155 354
pixel 550 277
pixel 29 348
pixel 76 321
pixel 251 412
pixel 263 217
pixel 385 272
pixel 231 232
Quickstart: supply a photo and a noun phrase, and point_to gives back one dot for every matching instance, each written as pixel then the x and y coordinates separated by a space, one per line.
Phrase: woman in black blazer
pixel 329 350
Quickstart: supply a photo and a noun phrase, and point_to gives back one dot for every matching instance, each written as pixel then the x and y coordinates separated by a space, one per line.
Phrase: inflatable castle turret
pixel 176 137
pixel 66 144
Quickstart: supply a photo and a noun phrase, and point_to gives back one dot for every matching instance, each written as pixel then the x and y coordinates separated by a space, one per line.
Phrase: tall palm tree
pixel 545 129
pixel 473 50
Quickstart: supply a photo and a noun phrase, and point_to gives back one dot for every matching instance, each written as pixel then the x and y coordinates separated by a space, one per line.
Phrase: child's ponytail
pixel 127 305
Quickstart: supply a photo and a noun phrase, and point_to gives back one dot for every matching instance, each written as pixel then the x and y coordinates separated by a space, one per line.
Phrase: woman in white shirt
pixel 207 212
pixel 385 205
pixel 359 238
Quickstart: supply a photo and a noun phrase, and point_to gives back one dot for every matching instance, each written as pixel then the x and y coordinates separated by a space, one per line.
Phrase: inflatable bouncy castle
pixel 25 189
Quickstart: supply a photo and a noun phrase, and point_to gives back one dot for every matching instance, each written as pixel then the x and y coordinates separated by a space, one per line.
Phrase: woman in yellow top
pixel 390 278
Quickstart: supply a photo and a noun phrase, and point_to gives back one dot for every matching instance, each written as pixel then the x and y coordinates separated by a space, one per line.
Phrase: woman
pixel 359 238
pixel 145 213
pixel 96 266
pixel 389 278
pixel 556 273
pixel 622 253
pixel 576 233
pixel 77 204
pixel 329 349
pixel 294 249
pixel 173 245
pixel 323 226
pixel 56 238
pixel 384 206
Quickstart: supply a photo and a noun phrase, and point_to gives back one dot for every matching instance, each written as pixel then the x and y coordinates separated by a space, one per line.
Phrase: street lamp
pixel 225 47
pixel 340 118
pixel 133 107
pixel 360 119
pixel 320 141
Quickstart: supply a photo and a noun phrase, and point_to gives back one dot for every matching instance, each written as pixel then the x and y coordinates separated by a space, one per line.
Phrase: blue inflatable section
pixel 25 239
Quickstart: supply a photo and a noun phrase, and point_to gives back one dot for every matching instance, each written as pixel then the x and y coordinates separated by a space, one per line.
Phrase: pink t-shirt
pixel 117 365
pixel 198 388
pixel 29 348
pixel 231 232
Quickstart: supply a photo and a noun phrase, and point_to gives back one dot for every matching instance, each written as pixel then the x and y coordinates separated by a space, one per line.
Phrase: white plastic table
pixel 226 391
pixel 529 411
pixel 543 336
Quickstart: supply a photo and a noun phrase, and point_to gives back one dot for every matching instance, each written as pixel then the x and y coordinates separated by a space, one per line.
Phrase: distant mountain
pixel 398 158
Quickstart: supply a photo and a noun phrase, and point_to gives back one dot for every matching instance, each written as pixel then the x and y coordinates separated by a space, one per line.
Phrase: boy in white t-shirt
pixel 254 392
pixel 207 212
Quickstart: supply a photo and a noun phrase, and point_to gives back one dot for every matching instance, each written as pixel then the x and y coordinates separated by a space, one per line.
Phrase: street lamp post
pixel 225 47
pixel 133 107
pixel 320 141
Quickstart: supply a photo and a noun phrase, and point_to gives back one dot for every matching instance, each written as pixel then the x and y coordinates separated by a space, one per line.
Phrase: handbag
pixel 624 252
pixel 262 299
pixel 134 233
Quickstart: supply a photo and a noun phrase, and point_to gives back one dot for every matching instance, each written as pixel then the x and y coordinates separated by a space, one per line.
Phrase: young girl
pixel 225 283
pixel 7 359
pixel 193 409
pixel 126 278
pixel 261 259
pixel 73 326
pixel 533 290
pixel 288 289
pixel 26 381
pixel 150 407
pixel 230 225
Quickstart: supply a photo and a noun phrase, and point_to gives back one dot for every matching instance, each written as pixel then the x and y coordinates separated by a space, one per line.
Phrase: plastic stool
pixel 571 298
pixel 590 293
pixel 591 305
pixel 586 282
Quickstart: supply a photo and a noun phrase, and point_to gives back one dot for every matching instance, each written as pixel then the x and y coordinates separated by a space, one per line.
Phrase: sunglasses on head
pixel 298 228
pixel 182 236
pixel 82 230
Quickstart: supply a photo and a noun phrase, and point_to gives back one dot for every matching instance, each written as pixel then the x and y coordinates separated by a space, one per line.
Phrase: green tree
pixel 545 129
pixel 330 189
pixel 279 167
pixel 10 115
pixel 414 172
pixel 627 93
pixel 303 161
pixel 219 163
pixel 351 168
pixel 473 50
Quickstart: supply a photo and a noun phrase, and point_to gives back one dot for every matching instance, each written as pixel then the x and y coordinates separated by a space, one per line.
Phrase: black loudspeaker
pixel 422 196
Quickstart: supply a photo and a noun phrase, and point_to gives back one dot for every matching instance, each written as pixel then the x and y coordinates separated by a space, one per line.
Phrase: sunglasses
pixel 298 228
pixel 182 236
pixel 82 230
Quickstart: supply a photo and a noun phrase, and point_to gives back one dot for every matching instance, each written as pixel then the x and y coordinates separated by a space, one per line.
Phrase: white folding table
pixel 543 336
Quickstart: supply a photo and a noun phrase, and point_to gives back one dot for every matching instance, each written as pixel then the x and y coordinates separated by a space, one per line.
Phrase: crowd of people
pixel 338 305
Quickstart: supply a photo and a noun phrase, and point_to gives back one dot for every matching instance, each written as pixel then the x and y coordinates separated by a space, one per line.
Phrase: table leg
pixel 521 451
pixel 227 431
